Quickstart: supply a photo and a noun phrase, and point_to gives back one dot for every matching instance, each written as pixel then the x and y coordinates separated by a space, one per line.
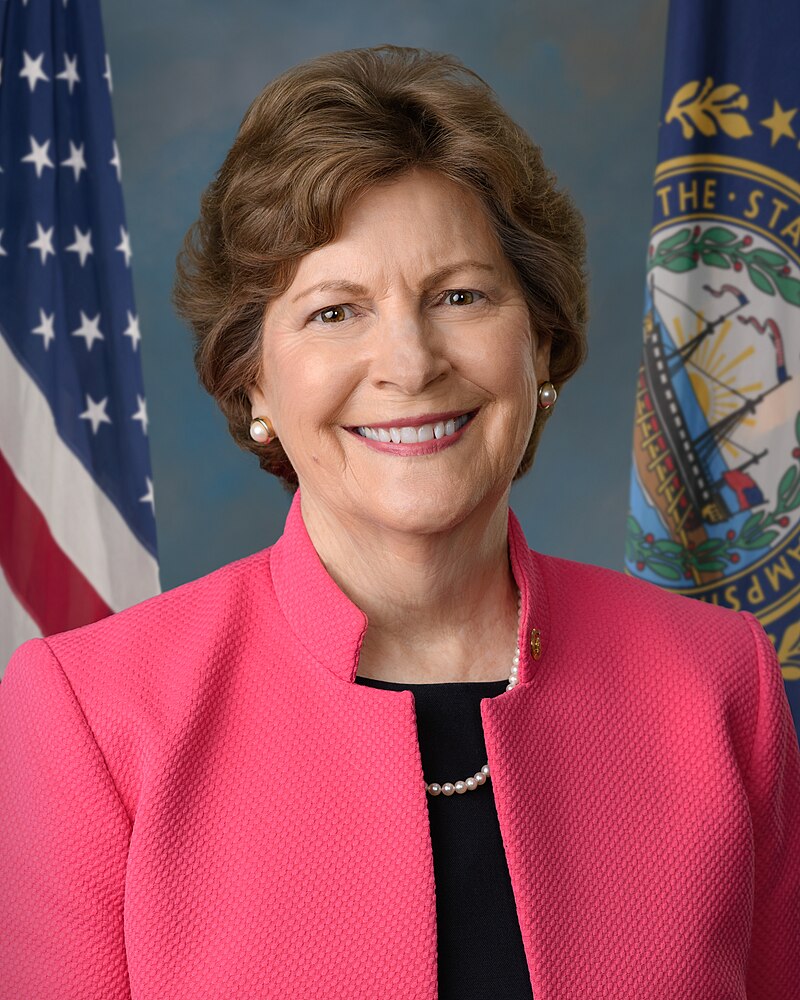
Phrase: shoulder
pixel 132 680
pixel 643 620
pixel 188 613
pixel 145 669
pixel 585 586
pixel 654 647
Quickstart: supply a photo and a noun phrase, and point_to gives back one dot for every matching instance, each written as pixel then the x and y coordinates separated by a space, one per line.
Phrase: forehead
pixel 408 226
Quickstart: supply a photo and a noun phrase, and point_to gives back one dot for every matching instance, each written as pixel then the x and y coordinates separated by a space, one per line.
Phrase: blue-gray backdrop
pixel 583 78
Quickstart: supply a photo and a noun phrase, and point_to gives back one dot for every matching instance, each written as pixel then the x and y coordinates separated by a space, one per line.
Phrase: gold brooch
pixel 536 644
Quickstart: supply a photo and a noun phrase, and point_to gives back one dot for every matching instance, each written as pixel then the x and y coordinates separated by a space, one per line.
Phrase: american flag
pixel 77 509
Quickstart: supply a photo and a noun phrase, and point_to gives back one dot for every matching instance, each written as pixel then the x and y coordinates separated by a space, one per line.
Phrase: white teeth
pixel 413 435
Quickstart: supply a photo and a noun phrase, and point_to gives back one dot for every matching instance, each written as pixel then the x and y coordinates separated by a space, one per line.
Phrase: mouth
pixel 432 427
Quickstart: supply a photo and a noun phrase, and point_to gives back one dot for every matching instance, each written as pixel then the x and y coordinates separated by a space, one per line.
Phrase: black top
pixel 479 942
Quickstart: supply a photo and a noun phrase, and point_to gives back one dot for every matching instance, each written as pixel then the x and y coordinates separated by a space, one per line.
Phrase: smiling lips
pixel 412 435
pixel 416 432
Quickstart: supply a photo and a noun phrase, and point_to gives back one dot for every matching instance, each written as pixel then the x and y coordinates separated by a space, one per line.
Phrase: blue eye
pixel 330 312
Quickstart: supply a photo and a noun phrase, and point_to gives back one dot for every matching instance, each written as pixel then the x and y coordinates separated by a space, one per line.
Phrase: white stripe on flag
pixel 83 521
pixel 16 625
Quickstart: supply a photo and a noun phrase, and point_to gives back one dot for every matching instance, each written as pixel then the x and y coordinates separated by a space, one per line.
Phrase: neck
pixel 441 606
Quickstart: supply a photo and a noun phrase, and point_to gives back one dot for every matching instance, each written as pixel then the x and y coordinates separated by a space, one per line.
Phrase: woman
pixel 397 754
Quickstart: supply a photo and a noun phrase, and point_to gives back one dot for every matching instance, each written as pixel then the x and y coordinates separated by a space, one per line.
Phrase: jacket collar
pixel 331 627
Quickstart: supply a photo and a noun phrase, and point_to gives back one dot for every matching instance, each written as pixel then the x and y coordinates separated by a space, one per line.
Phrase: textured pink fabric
pixel 196 801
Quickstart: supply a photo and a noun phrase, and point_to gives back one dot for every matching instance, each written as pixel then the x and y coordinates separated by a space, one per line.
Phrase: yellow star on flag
pixel 778 124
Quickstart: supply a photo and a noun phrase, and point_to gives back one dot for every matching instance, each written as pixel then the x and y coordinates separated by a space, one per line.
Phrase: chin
pixel 420 509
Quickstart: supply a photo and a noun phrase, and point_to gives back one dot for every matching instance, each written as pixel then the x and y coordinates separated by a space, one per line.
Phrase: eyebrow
pixel 432 279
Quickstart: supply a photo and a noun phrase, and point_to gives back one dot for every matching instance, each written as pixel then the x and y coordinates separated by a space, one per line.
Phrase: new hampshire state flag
pixel 715 481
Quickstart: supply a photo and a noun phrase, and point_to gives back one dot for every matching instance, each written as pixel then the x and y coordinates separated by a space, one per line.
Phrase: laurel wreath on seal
pixel 710 110
pixel 721 247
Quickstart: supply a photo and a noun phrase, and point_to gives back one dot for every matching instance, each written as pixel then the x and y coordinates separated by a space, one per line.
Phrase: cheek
pixel 504 366
pixel 518 370
pixel 509 375
pixel 311 384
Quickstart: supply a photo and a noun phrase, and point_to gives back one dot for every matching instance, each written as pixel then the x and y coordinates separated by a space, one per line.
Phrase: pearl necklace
pixel 479 778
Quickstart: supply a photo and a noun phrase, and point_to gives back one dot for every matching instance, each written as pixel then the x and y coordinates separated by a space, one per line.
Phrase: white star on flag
pixel 32 70
pixel 141 413
pixel 45 327
pixel 116 162
pixel 38 156
pixel 149 497
pixel 75 159
pixel 95 412
pixel 132 330
pixel 70 73
pixel 3 251
pixel 43 242
pixel 107 75
pixel 82 245
pixel 89 330
pixel 124 245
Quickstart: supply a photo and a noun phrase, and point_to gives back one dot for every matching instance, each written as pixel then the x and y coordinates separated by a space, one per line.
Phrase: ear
pixel 541 359
pixel 258 402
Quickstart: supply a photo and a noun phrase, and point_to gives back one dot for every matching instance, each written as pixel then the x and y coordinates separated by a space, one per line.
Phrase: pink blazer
pixel 196 800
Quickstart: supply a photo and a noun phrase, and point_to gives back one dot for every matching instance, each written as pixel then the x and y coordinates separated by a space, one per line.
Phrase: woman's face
pixel 420 320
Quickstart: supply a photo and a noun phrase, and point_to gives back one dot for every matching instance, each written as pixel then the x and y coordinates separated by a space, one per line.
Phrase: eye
pixel 330 315
pixel 466 296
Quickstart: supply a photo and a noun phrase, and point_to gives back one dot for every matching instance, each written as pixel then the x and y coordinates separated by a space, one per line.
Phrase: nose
pixel 409 353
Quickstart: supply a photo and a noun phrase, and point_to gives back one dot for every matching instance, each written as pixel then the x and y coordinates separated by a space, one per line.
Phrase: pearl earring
pixel 262 431
pixel 547 395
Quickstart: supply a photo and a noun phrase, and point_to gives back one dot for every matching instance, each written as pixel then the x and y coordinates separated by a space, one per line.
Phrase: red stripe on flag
pixel 46 582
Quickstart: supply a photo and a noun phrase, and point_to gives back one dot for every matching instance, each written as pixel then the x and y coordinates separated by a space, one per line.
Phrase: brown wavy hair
pixel 313 140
